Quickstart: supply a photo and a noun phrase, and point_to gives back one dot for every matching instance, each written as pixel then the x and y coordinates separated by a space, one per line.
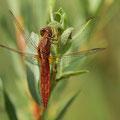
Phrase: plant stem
pixel 53 82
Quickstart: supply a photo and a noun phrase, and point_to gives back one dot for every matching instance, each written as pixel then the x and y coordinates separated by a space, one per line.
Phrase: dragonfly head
pixel 47 30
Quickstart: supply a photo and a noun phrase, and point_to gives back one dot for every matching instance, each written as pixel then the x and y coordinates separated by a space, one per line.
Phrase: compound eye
pixel 42 32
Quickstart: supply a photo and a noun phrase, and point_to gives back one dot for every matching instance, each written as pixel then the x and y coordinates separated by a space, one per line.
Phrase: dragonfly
pixel 41 55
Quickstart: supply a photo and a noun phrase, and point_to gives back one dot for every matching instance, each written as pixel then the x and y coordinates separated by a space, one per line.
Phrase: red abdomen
pixel 45 82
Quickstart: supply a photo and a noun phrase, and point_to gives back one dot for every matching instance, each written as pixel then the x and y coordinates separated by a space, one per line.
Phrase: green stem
pixel 51 15
pixel 53 81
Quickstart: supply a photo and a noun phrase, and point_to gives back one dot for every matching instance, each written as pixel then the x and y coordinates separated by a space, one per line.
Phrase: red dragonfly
pixel 41 56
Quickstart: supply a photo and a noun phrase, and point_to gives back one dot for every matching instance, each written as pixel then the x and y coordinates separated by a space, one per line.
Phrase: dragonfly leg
pixel 54 39
pixel 52 42
pixel 55 34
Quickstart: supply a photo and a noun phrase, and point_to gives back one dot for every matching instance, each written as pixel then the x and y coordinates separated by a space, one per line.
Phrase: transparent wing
pixel 32 59
pixel 82 31
pixel 81 27
pixel 29 57
pixel 29 42
pixel 76 57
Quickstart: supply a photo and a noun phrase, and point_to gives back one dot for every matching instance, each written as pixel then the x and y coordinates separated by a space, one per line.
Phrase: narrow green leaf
pixel 32 81
pixel 57 91
pixel 71 73
pixel 65 36
pixel 64 18
pixel 65 104
pixel 65 42
pixel 57 17
pixel 61 17
pixel 57 110
pixel 61 11
pixel 9 107
pixel 64 23
pixel 83 27
pixel 33 73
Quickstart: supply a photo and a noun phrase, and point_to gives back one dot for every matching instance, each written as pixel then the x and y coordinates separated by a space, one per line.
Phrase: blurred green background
pixel 100 88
